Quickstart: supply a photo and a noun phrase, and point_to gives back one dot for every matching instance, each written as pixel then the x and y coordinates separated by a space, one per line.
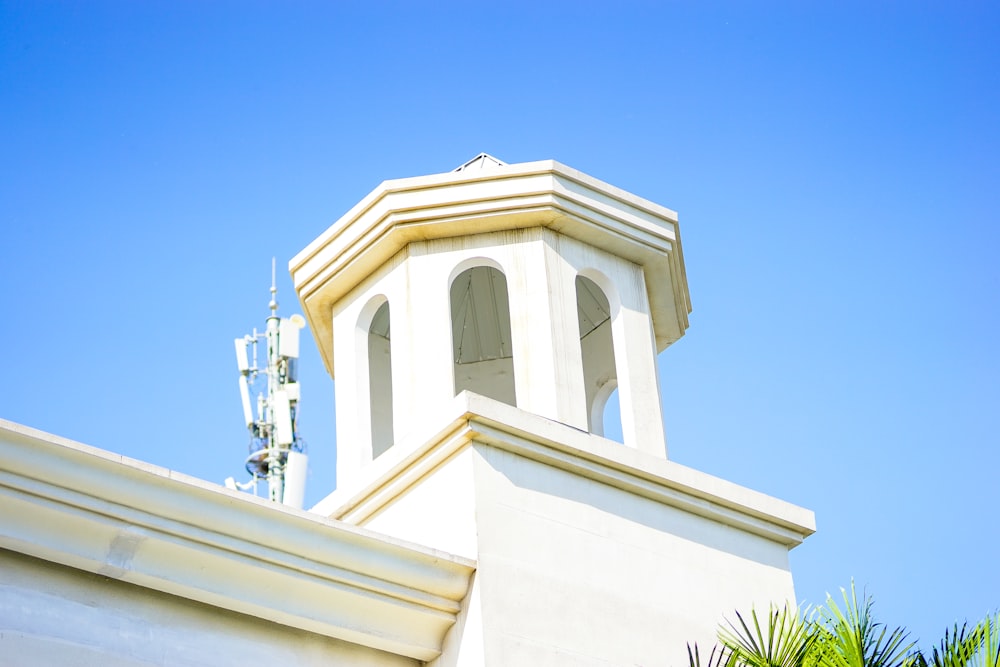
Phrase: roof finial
pixel 481 161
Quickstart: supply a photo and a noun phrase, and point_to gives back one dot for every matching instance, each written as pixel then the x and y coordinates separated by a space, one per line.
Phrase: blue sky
pixel 835 168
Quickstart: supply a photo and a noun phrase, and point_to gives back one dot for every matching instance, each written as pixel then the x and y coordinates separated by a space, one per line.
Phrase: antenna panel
pixel 245 397
pixel 284 434
pixel 288 339
pixel 272 423
pixel 241 355
pixel 295 479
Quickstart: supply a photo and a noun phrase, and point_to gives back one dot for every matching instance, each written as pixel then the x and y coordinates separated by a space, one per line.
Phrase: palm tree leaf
pixel 956 649
pixel 719 657
pixel 851 637
pixel 783 642
pixel 988 653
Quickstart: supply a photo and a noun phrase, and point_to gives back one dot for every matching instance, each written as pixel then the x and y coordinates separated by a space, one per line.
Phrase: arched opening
pixel 380 381
pixel 612 418
pixel 480 334
pixel 597 349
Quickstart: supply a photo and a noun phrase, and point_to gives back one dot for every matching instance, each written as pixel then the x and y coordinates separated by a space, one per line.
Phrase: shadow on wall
pixel 537 478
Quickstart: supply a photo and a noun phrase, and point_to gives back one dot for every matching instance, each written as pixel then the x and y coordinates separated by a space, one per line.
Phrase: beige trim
pixel 531 194
pixel 480 421
pixel 127 520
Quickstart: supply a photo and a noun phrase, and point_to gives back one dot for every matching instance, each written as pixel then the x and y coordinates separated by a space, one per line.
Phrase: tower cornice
pixel 517 196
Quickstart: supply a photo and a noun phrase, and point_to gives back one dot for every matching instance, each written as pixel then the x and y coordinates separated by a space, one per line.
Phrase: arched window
pixel 597 349
pixel 380 381
pixel 612 418
pixel 480 327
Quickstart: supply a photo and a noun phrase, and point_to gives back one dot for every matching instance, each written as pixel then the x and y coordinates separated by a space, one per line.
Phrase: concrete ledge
pixel 473 419
pixel 127 520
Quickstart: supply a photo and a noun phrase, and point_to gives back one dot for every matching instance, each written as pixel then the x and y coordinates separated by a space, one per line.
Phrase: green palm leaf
pixel 844 637
pixel 785 641
pixel 988 653
pixel 719 657
pixel 851 637
pixel 955 650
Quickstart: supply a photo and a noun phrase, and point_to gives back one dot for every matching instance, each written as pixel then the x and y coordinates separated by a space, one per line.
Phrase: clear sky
pixel 835 168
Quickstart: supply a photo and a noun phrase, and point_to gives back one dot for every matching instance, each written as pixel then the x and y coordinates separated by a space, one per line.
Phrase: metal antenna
pixel 274 292
pixel 276 448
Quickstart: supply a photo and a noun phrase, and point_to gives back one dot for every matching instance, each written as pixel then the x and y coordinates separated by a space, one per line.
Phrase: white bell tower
pixel 476 323
pixel 532 284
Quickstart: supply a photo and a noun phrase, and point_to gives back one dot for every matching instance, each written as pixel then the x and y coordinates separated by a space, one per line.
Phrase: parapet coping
pixel 114 516
pixel 473 419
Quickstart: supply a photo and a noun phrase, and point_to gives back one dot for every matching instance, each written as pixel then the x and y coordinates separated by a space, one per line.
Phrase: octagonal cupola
pixel 533 284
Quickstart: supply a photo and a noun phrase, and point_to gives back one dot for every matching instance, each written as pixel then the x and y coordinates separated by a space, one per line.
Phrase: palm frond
pixel 956 649
pixel 851 637
pixel 988 653
pixel 784 642
pixel 719 657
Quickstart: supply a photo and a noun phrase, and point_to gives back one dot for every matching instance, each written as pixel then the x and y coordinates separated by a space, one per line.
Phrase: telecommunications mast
pixel 276 449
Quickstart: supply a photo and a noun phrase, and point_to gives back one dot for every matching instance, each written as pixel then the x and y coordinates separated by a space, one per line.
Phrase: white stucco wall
pixel 576 572
pixel 589 552
pixel 441 511
pixel 56 615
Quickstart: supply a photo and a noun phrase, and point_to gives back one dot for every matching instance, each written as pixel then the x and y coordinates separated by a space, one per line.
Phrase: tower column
pixel 351 391
pixel 548 369
pixel 635 360
pixel 423 381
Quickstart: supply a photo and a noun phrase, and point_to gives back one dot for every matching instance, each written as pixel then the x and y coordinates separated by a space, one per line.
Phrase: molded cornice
pixel 476 420
pixel 89 509
pixel 516 196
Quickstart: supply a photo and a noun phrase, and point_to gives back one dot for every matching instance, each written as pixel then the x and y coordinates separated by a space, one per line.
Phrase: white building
pixel 476 323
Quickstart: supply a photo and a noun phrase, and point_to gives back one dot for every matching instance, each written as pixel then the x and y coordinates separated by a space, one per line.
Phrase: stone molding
pixel 531 194
pixel 475 420
pixel 87 508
